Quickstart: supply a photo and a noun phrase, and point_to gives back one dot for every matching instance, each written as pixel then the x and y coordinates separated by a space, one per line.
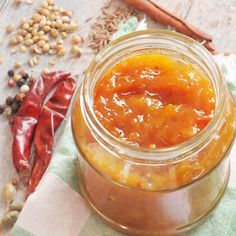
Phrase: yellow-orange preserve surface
pixel 154 101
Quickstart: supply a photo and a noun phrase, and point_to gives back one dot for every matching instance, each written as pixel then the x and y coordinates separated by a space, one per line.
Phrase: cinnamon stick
pixel 165 17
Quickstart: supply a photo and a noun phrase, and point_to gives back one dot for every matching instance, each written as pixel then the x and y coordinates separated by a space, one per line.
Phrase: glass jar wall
pixel 143 191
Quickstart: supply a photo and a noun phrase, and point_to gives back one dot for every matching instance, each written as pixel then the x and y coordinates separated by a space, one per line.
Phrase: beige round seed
pixel 69 13
pixel 35 38
pixel 46 28
pixel 52 17
pixel 50 8
pixel 16 77
pixel 36 18
pixel 45 12
pixel 44 37
pixel 25 26
pixel 30 29
pixel 22 49
pixel 41 43
pixel 76 51
pixel 58 24
pixel 50 2
pixel 28 36
pixel 30 22
pixel 64 35
pixel 46 47
pixel 59 47
pixel 20 38
pixel 28 42
pixel 13 41
pixel 34 32
pixel 65 19
pixel 22 32
pixel 72 27
pixel 41 33
pixel 22 21
pixel 31 62
pixel 44 4
pixel 76 39
pixel 61 52
pixel 17 64
pixel 60 41
pixel 52 45
pixel 10 28
pixel 54 33
pixel 64 27
pixel 38 49
pixel 9 219
pixel 8 192
pixel 42 23
pixel 31 49
pixel 53 24
pixel 36 60
pixel 52 51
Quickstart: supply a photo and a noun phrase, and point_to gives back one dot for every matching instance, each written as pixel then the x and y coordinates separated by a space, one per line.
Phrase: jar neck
pixel 164 42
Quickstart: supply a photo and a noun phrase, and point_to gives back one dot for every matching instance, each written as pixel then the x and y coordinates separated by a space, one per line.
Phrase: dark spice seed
pixel 20 97
pixel 20 82
pixel 15 107
pixel 25 76
pixel 2 109
pixel 9 101
pixel 10 73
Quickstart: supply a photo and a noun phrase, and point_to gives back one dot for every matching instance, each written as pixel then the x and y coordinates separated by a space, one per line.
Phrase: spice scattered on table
pixel 44 32
pixel 51 116
pixel 9 192
pixel 167 18
pixel 24 122
pixel 23 81
pixel 106 25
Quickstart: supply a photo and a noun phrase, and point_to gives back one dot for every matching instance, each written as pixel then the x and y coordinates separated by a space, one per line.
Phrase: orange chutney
pixel 154 101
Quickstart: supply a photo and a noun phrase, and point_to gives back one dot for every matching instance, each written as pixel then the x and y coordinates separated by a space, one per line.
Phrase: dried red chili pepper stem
pixel 52 115
pixel 24 121
pixel 167 18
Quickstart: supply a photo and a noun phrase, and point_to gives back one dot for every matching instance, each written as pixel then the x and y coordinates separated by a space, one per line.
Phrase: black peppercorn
pixel 20 82
pixel 15 107
pixel 25 76
pixel 2 109
pixel 10 73
pixel 9 101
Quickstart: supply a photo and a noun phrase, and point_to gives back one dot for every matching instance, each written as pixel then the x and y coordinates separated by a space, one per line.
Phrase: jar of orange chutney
pixel 153 123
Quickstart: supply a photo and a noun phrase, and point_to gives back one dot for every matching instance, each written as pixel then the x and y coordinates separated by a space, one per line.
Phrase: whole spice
pixel 25 120
pixel 16 206
pixel 8 192
pixel 51 116
pixel 9 219
pixel 10 73
pixel 167 18
pixel 106 25
pixel 2 109
pixel 11 83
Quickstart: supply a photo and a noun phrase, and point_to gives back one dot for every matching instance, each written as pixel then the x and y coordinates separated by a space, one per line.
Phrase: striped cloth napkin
pixel 57 208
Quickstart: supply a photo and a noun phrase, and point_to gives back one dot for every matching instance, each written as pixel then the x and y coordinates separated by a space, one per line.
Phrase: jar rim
pixel 174 153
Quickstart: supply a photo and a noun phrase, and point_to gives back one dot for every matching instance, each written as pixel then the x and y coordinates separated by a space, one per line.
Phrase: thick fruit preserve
pixel 153 123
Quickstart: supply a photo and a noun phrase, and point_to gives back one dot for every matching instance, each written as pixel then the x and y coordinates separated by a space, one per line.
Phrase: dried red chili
pixel 52 114
pixel 24 122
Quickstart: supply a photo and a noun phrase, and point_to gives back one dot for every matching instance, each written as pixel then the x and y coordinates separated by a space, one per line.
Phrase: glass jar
pixel 142 191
